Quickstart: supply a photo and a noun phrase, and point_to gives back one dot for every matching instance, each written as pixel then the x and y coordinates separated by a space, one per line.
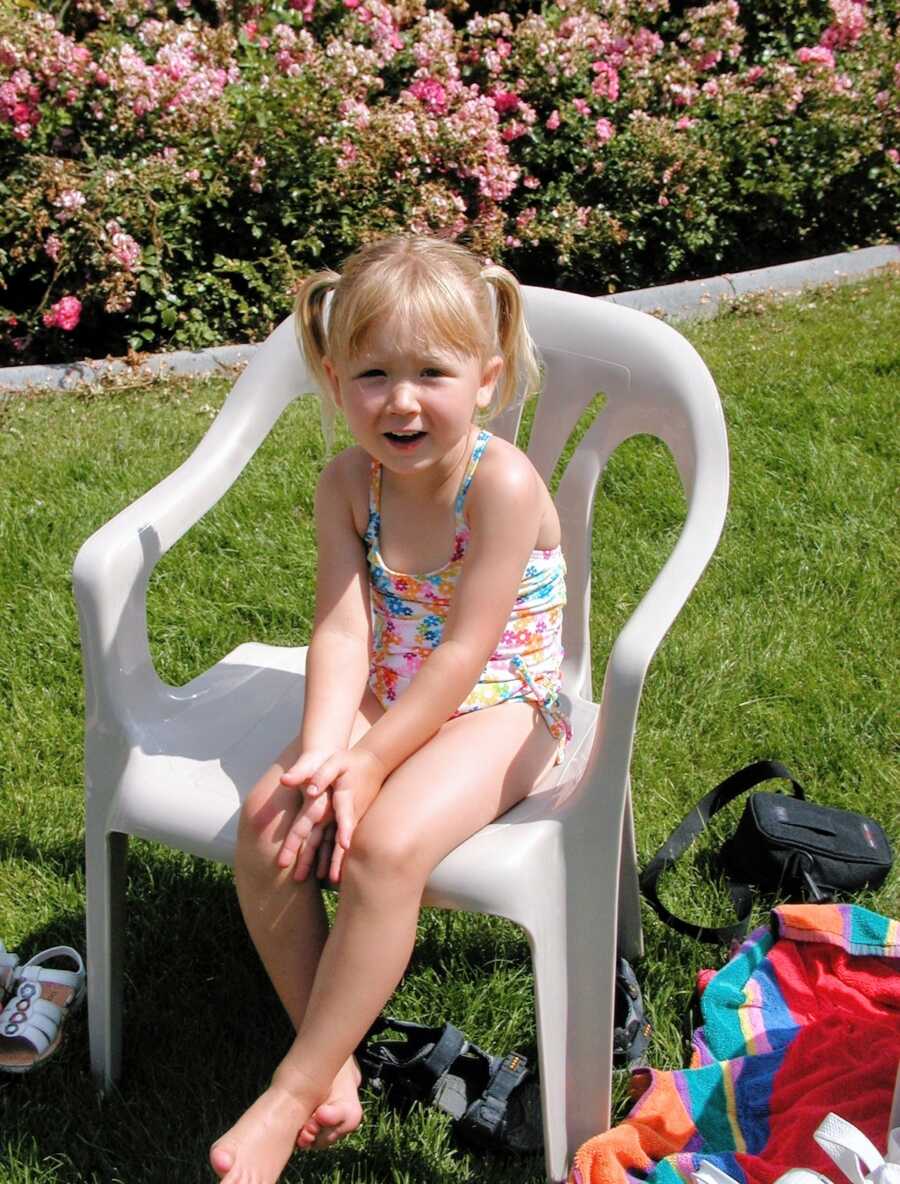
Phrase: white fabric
pixel 856 1156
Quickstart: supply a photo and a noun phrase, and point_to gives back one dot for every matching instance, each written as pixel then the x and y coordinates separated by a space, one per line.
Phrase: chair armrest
pixel 113 567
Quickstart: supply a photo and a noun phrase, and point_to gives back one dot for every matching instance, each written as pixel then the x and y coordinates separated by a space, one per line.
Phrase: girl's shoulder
pixel 507 483
pixel 346 479
pixel 506 471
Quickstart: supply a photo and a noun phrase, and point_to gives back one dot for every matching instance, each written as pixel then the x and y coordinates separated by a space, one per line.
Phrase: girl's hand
pixel 354 777
pixel 312 830
pixel 311 834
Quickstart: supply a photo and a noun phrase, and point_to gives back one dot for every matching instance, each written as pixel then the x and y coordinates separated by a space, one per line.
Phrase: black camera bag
pixel 782 844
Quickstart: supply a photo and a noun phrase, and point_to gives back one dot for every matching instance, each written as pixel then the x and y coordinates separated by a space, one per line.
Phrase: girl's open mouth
pixel 404 439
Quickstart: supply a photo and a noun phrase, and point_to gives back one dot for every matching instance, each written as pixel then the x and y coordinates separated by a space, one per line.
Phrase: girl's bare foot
pixel 338 1115
pixel 260 1143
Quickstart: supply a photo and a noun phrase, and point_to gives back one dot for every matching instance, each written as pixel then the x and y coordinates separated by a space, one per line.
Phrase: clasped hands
pixel 337 790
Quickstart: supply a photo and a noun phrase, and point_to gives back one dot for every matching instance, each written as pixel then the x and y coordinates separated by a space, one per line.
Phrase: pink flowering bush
pixel 170 170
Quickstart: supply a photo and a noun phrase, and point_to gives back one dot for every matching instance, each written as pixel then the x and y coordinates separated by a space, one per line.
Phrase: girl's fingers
pixel 344 822
pixel 325 774
pixel 337 862
pixel 309 815
pixel 302 769
pixel 308 853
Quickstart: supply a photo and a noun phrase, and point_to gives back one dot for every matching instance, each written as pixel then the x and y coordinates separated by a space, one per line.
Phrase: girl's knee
pixel 385 852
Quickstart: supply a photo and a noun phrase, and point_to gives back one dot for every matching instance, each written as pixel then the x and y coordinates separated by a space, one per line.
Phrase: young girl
pixel 440 592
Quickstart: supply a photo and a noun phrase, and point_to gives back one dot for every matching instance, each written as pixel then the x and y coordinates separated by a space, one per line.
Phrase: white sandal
pixel 8 964
pixel 32 1021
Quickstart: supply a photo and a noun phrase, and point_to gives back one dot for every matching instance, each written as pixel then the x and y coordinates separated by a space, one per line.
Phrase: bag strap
pixel 685 833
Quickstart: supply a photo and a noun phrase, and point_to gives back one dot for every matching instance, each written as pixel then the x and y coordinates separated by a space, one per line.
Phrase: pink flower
pixel 432 93
pixel 125 250
pixel 553 121
pixel 755 73
pixel 893 155
pixel 604 130
pixel 351 3
pixel 684 123
pixel 818 55
pixel 504 101
pixel 65 314
pixel 581 107
pixel 606 82
pixel 710 88
pixel 53 246
pixel 662 200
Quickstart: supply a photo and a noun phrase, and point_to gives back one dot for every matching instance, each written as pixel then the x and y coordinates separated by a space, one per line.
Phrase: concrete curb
pixel 704 298
pixel 692 299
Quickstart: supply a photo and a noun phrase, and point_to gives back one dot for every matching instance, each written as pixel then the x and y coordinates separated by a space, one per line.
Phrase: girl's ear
pixel 333 381
pixel 489 374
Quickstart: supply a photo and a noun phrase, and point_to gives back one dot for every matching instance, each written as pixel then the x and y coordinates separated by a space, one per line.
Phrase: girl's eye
pixel 371 374
pixel 432 372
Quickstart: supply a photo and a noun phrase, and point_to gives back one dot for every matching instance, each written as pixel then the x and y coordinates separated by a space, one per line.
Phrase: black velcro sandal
pixel 414 1069
pixel 631 1028
pixel 506 1115
pixel 494 1101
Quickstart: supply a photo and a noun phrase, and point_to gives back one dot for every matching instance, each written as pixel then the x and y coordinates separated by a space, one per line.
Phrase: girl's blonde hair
pixel 436 287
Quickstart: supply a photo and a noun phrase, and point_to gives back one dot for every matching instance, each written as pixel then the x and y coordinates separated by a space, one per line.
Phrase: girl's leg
pixel 286 919
pixel 475 768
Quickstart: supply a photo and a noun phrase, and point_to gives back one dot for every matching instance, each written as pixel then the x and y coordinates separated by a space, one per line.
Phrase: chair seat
pixel 208 742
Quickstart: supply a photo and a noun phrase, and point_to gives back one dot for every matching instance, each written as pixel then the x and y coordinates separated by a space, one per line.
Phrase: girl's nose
pixel 404 397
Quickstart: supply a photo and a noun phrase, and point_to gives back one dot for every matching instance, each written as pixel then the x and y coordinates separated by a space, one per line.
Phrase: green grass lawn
pixel 787 648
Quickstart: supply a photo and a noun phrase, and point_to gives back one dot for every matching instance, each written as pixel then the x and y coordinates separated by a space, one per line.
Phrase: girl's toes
pixel 221 1158
pixel 308 1135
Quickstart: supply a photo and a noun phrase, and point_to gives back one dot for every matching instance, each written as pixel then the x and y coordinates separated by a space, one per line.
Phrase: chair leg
pixel 574 967
pixel 106 855
pixel 631 937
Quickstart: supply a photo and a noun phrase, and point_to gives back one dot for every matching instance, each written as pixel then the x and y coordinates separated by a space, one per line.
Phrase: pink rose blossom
pixel 893 155
pixel 505 101
pixel 755 73
pixel 581 107
pixel 53 246
pixel 684 122
pixel 818 55
pixel 606 82
pixel 553 121
pixel 604 130
pixel 65 314
pixel 662 200
pixel 431 93
pixel 125 250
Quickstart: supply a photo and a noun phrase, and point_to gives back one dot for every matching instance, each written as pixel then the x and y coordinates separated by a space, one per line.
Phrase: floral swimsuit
pixel 409 611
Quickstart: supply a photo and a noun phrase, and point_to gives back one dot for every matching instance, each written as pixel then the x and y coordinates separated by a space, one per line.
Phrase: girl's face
pixel 408 404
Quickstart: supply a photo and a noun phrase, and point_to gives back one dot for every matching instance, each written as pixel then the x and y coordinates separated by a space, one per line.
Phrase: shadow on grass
pixel 203 1030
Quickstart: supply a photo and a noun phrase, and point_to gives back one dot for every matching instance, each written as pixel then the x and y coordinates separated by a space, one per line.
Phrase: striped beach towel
pixel 804 1019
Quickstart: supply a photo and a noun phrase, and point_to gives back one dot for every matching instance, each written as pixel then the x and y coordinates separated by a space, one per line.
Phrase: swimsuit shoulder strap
pixel 373 527
pixel 481 442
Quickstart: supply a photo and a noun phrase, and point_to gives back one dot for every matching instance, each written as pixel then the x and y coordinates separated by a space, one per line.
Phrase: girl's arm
pixel 337 664
pixel 505 505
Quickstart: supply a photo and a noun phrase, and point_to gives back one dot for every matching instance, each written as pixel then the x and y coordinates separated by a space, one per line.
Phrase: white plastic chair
pixel 171 764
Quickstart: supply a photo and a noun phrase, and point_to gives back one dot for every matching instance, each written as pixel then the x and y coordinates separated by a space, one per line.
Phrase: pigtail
pixel 309 325
pixel 521 376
